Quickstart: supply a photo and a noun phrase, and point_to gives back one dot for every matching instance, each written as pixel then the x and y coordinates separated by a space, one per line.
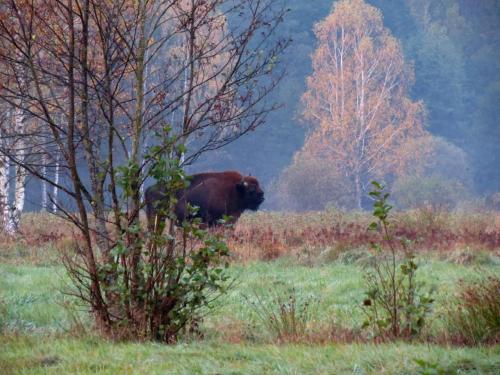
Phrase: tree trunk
pixel 44 184
pixel 102 238
pixel 98 305
pixel 20 179
pixel 4 195
pixel 135 198
pixel 55 191
pixel 358 189
pixel 188 80
pixel 91 143
pixel 19 197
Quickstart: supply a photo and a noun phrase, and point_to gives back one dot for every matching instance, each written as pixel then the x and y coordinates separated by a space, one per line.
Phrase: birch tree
pixel 19 151
pixel 12 175
pixel 357 102
pixel 5 211
pixel 12 128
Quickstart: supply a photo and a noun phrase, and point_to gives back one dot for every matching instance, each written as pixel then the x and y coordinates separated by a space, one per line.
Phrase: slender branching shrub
pixel 154 283
pixel 396 304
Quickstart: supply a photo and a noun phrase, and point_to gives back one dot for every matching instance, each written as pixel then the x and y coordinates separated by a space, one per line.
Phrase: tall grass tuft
pixel 473 314
pixel 286 315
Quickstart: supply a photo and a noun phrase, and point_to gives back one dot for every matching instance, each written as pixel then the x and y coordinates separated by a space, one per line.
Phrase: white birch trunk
pixel 9 227
pixel 19 197
pixel 20 179
pixel 185 99
pixel 55 191
pixel 44 184
pixel 4 194
pixel 184 114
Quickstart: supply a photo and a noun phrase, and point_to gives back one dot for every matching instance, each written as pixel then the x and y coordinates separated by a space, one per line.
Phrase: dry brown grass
pixel 308 237
pixel 473 314
pixel 41 236
pixel 238 332
pixel 267 236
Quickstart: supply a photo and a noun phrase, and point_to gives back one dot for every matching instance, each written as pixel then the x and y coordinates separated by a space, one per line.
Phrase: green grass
pixel 36 340
pixel 38 355
pixel 31 297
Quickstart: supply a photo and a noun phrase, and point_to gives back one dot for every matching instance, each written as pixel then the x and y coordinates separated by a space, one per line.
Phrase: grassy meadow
pixel 318 260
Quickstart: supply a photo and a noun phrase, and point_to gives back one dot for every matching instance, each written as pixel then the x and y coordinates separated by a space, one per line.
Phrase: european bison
pixel 215 194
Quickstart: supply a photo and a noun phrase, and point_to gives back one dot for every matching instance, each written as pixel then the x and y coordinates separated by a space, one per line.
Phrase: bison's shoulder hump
pixel 231 176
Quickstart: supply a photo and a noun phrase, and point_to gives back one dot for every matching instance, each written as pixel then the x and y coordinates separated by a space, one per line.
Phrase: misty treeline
pixel 452 48
pixel 363 123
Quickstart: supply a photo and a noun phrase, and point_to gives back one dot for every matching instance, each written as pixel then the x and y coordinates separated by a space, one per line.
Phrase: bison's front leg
pixel 156 224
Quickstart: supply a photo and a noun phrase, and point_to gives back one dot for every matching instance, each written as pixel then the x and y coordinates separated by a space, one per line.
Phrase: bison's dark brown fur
pixel 216 194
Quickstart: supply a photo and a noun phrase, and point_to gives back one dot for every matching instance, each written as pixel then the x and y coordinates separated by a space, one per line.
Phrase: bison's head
pixel 251 192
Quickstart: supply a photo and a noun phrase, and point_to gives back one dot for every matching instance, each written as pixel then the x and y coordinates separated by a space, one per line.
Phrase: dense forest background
pixel 454 47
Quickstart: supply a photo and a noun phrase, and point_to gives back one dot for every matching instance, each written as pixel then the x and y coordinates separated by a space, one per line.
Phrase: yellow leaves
pixel 352 18
pixel 356 102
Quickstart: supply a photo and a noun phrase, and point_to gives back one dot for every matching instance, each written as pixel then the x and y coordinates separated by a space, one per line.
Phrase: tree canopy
pixel 357 101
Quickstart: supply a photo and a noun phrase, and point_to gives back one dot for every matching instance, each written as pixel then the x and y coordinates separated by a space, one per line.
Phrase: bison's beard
pixel 255 204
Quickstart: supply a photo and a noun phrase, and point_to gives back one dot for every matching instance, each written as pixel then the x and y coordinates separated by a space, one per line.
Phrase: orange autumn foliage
pixel 357 102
